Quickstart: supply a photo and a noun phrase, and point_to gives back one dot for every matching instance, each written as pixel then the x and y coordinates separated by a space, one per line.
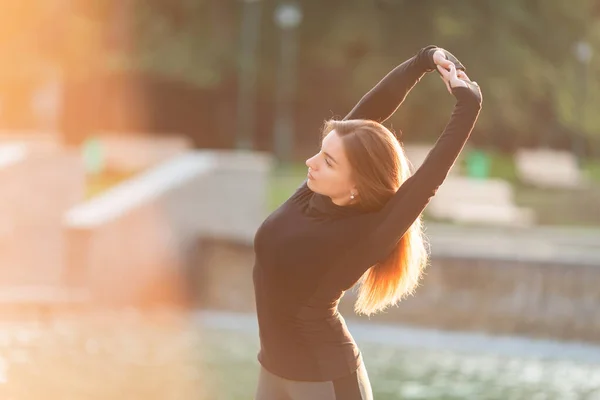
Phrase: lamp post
pixel 249 38
pixel 288 17
pixel 583 53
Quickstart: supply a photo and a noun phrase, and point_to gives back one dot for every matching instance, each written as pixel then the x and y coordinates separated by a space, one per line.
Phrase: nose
pixel 310 163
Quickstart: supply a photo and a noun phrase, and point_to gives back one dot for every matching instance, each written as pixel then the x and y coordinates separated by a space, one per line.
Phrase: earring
pixel 352 196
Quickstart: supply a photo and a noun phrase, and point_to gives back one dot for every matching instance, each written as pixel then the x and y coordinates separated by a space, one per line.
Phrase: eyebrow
pixel 329 155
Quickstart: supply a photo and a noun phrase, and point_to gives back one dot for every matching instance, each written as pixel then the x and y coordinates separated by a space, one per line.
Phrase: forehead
pixel 332 144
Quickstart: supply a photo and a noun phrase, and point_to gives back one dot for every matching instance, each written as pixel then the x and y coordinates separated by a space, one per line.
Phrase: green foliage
pixel 522 55
pixel 521 52
pixel 176 41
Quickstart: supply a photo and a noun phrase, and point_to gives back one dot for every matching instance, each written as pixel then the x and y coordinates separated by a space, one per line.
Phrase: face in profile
pixel 329 171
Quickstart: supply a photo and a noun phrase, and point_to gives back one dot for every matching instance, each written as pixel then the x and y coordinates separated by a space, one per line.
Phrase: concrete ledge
pixel 548 168
pixel 478 201
pixel 144 188
pixel 496 295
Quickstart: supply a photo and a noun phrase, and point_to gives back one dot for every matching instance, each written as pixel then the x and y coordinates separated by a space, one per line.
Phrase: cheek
pixel 335 180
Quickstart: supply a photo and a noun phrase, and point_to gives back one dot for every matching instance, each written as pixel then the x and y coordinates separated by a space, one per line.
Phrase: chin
pixel 311 185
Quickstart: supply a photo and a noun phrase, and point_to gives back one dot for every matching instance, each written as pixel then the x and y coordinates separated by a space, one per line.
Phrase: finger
pixel 446 64
pixel 451 72
pixel 447 83
pixel 443 71
pixel 448 74
pixel 462 75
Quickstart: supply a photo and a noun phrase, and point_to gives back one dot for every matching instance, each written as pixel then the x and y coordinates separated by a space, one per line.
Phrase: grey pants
pixel 352 387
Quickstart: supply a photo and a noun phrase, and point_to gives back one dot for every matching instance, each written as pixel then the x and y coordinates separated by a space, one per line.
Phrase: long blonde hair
pixel 379 167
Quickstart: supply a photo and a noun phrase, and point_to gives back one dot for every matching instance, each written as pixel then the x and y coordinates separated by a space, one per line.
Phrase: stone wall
pixel 502 296
pixel 134 243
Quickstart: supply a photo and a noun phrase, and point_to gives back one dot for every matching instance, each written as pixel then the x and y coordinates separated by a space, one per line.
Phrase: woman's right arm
pixel 384 99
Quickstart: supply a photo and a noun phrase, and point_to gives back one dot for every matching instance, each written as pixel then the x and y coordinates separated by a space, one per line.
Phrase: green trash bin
pixel 478 164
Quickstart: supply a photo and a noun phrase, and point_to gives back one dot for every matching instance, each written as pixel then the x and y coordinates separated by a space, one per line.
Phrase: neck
pixel 342 201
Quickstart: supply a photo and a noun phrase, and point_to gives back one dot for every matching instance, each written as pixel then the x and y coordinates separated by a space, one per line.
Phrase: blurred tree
pixel 521 52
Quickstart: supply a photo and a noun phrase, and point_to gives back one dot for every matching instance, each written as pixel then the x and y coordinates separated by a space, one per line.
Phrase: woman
pixel 356 219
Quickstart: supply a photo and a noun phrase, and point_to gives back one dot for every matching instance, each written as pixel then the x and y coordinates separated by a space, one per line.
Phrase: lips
pixel 310 176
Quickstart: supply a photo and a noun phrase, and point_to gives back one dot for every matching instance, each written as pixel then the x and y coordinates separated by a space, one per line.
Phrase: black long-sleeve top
pixel 310 251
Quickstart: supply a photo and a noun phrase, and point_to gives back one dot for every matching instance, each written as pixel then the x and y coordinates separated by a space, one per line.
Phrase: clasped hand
pixel 450 75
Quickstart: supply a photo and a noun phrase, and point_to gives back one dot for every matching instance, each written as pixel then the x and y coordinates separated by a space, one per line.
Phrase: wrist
pixel 468 94
pixel 426 57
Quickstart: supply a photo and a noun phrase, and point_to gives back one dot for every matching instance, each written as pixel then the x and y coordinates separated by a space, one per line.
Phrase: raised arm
pixel 414 194
pixel 384 99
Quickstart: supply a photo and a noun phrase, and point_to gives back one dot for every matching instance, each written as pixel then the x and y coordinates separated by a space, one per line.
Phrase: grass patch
pixel 592 169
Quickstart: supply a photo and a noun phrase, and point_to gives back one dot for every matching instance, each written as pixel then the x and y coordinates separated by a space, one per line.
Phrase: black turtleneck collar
pixel 321 205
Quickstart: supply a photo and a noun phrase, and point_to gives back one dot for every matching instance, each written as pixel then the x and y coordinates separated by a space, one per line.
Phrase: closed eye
pixel 325 157
pixel 328 157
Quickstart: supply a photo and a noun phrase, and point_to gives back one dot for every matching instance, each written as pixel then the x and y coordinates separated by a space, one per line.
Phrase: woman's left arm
pixel 384 99
pixel 414 194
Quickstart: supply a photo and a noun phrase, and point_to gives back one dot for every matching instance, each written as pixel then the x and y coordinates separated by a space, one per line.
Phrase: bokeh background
pixel 142 143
